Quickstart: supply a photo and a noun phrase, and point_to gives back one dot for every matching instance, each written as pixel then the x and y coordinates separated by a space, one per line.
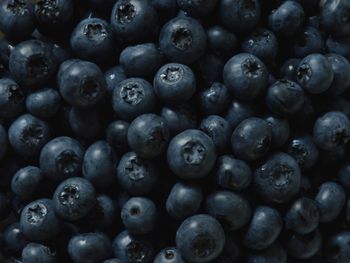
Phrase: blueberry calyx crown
pixel 69 194
pixel 67 162
pixel 132 93
pixel 182 38
pixel 193 152
pixel 36 213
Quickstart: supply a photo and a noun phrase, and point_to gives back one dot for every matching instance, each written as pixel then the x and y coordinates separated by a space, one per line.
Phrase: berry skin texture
pixel 280 130
pixel 230 209
pixel 240 15
pixel 184 200
pixel 99 165
pixel 285 97
pixel 133 248
pixel 341 70
pixel 273 254
pixel 81 83
pixel 337 247
pixel 44 103
pixel 39 221
pixel 215 99
pixel 183 40
pixel 304 151
pixel 11 98
pixel 251 139
pixel 139 215
pixel 32 62
pixel 93 39
pixel 330 200
pixel 94 246
pixel 197 8
pixel 315 73
pixel 191 154
pixel 278 179
pixel 263 229
pixel 37 253
pixel 136 175
pixel 74 198
pixel 26 182
pixel 133 97
pixel 331 131
pixel 133 20
pixel 169 255
pixel 245 76
pixel 200 238
pixel 61 158
pixel 174 83
pixel 148 135
pixel 287 18
pixel 304 246
pixel 27 135
pixel 335 17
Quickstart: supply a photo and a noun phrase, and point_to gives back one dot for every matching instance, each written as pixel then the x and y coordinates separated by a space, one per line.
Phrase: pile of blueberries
pixel 174 131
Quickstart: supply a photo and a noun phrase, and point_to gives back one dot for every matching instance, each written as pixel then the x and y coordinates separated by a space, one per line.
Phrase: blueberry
pixel 133 97
pixel 148 135
pixel 179 119
pixel 304 246
pixel 26 182
pixel 232 210
pixel 331 130
pixel 273 254
pixel 52 16
pixel 37 253
pixel 303 216
pixel 330 200
pixel 93 39
pixel 5 207
pixel 141 60
pixel 280 130
pixel 335 17
pixel 16 18
pixel 338 247
pixel 237 112
pixel 263 229
pixel 200 238
pixel 245 76
pixel 99 165
pixel 184 200
pixel 14 239
pixel 285 97
pixel 218 129
pixel 39 221
pixel 251 139
pixel 309 40
pixel 315 73
pixel 341 70
pixel 261 43
pixel 289 69
pixel 339 46
pixel 133 20
pixel 222 42
pixel 81 83
pixel 3 141
pixel 183 40
pixel 233 174
pixel 113 76
pixel 28 134
pixel 112 260
pixel 61 158
pixel 44 103
pixel 94 246
pixel 240 15
pixel 136 175
pixel 133 249
pixel 287 18
pixel 174 83
pixel 278 179
pixel 32 62
pixel 191 154
pixel 215 99
pixel 139 215
pixel 116 135
pixel 304 151
pixel 104 216
pixel 197 8
pixel 169 255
